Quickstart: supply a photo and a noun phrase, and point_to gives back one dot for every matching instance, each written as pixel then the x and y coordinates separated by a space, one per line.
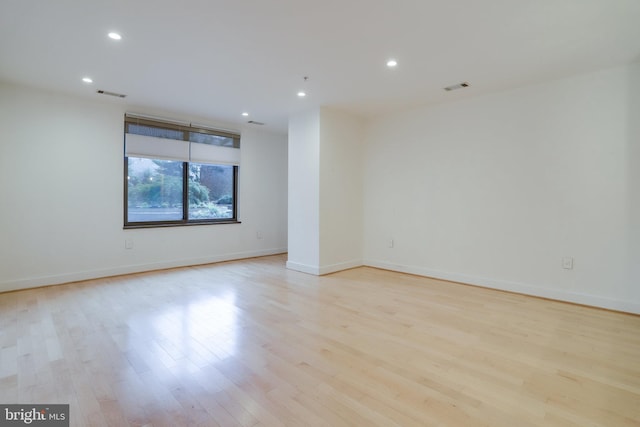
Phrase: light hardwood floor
pixel 250 343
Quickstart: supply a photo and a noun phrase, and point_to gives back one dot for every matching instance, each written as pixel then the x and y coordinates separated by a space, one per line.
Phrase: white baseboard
pixel 521 288
pixel 324 269
pixel 34 282
pixel 332 268
pixel 303 268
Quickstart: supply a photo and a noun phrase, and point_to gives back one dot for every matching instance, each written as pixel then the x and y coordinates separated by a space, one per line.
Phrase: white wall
pixel 340 191
pixel 61 183
pixel 496 190
pixel 304 192
pixel 633 168
pixel 325 191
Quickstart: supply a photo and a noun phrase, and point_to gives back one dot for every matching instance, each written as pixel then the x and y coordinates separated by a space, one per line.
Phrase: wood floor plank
pixel 250 343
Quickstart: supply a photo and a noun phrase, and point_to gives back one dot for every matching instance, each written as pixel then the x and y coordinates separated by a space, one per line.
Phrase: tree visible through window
pixel 155 190
pixel 210 191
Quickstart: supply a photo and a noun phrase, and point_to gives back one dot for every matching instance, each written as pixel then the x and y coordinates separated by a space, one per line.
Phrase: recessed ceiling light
pixel 114 36
pixel 392 63
pixel 245 114
pixel 87 80
pixel 302 94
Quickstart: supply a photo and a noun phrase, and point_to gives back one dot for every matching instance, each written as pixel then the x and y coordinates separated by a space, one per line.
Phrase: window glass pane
pixel 210 191
pixel 155 131
pixel 154 190
pixel 203 138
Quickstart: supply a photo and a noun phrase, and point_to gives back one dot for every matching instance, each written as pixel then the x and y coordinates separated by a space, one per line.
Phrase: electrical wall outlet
pixel 567 263
pixel 128 244
pixel 259 235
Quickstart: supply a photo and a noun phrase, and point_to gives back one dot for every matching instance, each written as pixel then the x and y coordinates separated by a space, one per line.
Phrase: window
pixel 179 174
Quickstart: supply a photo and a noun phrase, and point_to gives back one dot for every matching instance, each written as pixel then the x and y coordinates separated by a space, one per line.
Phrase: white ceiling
pixel 218 58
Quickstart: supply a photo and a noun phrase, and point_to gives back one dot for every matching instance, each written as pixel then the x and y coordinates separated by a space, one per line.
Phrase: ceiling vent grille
pixel 117 95
pixel 458 86
pixel 253 122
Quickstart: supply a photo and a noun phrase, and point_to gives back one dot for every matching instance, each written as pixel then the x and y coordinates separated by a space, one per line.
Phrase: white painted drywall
pixel 325 191
pixel 304 192
pixel 496 190
pixel 61 183
pixel 633 168
pixel 340 190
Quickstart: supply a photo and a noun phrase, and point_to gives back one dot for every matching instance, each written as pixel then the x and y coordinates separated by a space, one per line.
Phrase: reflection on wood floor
pixel 250 343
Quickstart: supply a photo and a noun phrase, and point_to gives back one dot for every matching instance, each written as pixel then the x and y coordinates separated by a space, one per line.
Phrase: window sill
pixel 178 224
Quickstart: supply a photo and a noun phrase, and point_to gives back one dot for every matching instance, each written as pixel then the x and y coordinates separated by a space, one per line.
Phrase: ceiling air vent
pixel 117 95
pixel 458 86
pixel 253 122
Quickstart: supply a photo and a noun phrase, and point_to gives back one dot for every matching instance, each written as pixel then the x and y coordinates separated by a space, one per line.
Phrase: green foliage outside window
pixel 155 190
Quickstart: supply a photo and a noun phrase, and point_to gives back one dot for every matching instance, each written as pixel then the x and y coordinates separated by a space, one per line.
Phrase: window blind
pixel 172 140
